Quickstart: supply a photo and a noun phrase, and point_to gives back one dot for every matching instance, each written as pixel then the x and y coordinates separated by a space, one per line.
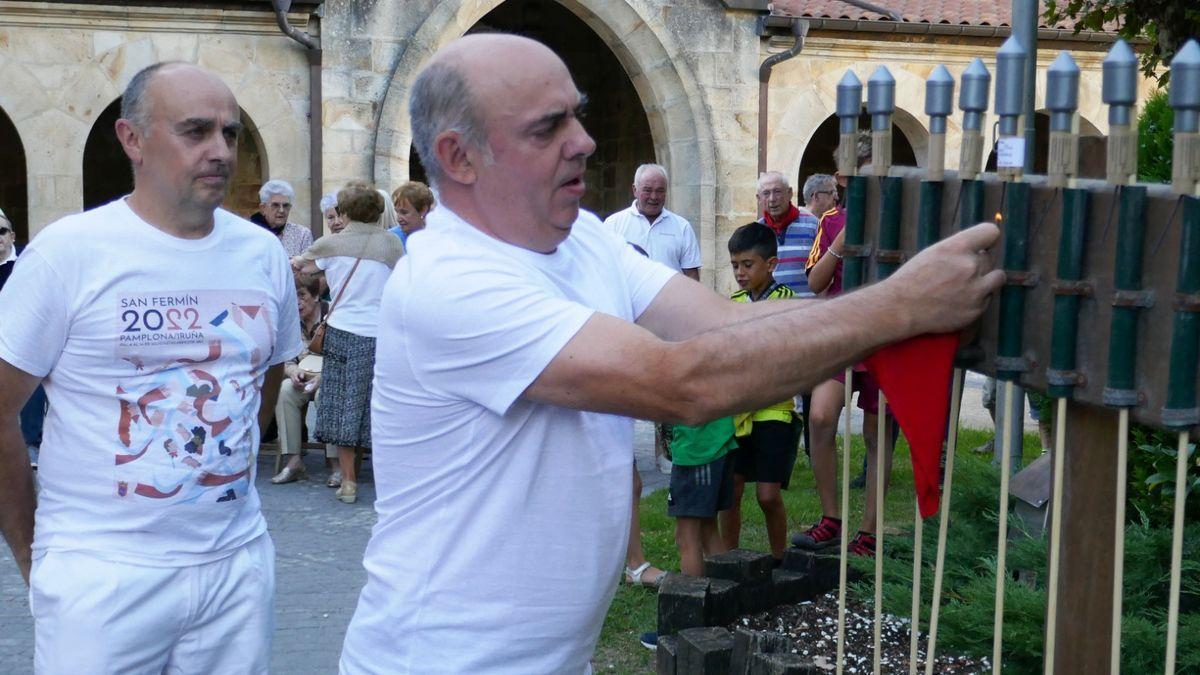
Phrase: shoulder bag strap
pixel 341 290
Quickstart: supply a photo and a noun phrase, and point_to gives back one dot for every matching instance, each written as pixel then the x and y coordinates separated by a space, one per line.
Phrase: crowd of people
pixel 492 362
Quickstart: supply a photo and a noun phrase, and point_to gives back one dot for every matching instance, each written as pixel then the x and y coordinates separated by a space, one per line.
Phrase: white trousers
pixel 96 616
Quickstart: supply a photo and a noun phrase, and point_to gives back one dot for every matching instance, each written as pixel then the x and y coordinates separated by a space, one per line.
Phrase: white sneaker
pixel 664 464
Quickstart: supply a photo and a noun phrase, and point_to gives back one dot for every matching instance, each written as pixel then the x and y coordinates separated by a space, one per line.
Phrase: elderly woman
pixel 275 206
pixel 301 381
pixel 333 220
pixel 356 263
pixel 413 201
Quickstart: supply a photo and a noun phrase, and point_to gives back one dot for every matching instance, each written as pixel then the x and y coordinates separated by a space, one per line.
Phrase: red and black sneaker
pixel 820 536
pixel 863 544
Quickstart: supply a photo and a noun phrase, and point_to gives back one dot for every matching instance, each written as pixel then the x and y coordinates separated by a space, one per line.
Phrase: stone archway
pixel 107 176
pixel 615 118
pixel 808 119
pixel 680 128
pixel 818 154
pixel 14 182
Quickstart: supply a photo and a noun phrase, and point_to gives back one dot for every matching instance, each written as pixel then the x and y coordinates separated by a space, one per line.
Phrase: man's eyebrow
pixel 551 120
pixel 208 123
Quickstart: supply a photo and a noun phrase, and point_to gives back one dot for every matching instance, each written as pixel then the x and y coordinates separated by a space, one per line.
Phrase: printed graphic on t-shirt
pixel 189 397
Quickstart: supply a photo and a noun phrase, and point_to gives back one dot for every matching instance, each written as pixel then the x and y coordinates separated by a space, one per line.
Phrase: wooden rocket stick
pixel 1002 535
pixel 944 524
pixel 1181 466
pixel 915 625
pixel 1060 426
pixel 1118 585
pixel 845 544
pixel 880 477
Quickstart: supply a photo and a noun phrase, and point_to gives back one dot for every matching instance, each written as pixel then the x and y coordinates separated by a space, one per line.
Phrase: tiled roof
pixel 953 12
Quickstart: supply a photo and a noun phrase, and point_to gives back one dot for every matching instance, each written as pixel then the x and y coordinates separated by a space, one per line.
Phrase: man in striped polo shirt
pixel 795 230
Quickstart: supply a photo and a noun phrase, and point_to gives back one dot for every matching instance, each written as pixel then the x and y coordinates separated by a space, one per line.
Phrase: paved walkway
pixel 319 545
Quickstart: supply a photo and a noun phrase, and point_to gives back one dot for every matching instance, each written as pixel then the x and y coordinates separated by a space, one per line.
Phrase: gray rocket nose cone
pixel 1120 75
pixel 976 81
pixel 939 92
pixel 1184 96
pixel 1185 76
pixel 881 92
pixel 1010 76
pixel 1062 84
pixel 849 95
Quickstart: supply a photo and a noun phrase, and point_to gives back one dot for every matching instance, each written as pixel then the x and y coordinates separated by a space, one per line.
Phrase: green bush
pixel 1151 490
pixel 1154 139
pixel 965 623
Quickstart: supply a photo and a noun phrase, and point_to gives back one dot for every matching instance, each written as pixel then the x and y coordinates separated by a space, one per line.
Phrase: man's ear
pixel 455 157
pixel 772 262
pixel 131 140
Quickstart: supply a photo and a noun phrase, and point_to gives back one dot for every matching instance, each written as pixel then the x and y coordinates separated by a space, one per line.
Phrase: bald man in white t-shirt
pixel 518 338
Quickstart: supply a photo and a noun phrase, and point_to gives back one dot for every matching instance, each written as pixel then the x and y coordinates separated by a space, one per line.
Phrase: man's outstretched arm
pixel 693 356
pixel 17 497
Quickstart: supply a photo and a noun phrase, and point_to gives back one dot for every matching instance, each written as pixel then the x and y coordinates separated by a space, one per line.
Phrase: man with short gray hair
pixel 795 230
pixel 156 323
pixel 665 236
pixel 275 204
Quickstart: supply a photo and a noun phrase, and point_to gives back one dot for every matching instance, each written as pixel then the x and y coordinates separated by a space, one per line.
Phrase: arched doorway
pixel 680 124
pixel 819 153
pixel 107 176
pixel 14 187
pixel 616 117
pixel 1093 152
pixel 106 172
pixel 416 170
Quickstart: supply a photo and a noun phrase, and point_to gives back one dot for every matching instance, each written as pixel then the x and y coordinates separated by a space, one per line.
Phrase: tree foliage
pixel 1164 24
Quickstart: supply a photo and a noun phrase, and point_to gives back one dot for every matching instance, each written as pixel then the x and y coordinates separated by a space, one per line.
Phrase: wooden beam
pixel 1085 576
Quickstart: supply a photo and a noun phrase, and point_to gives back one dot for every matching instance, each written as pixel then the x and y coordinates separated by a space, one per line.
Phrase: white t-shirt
pixel 502 522
pixel 358 309
pixel 669 240
pixel 153 350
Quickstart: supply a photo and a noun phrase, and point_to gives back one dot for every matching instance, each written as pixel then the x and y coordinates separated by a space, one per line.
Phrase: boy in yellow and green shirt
pixel 767 439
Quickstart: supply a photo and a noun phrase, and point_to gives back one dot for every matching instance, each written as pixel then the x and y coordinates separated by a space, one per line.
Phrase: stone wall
pixel 62 65
pixel 692 66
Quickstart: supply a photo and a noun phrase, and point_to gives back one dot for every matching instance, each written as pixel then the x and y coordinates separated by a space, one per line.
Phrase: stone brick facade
pixel 692 65
pixel 63 65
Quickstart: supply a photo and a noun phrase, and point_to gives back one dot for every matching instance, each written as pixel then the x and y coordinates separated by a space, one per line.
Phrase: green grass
pixel 634 609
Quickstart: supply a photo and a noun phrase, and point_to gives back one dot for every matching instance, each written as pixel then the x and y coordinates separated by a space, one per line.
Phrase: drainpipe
pixel 313 49
pixel 799 30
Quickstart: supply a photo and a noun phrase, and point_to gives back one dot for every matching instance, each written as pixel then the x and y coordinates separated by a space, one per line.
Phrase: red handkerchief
pixel 915 377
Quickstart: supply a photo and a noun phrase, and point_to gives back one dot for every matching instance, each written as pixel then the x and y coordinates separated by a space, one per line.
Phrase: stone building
pixel 672 81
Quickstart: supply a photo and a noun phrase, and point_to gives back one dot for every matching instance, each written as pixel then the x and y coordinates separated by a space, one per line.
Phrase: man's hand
pixel 947 286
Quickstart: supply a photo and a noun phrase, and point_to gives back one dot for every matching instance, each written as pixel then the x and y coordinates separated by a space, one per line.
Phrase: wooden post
pixel 1086 568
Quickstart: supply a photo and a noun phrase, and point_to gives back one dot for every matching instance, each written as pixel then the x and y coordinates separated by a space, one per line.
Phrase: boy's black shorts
pixel 768 454
pixel 701 491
